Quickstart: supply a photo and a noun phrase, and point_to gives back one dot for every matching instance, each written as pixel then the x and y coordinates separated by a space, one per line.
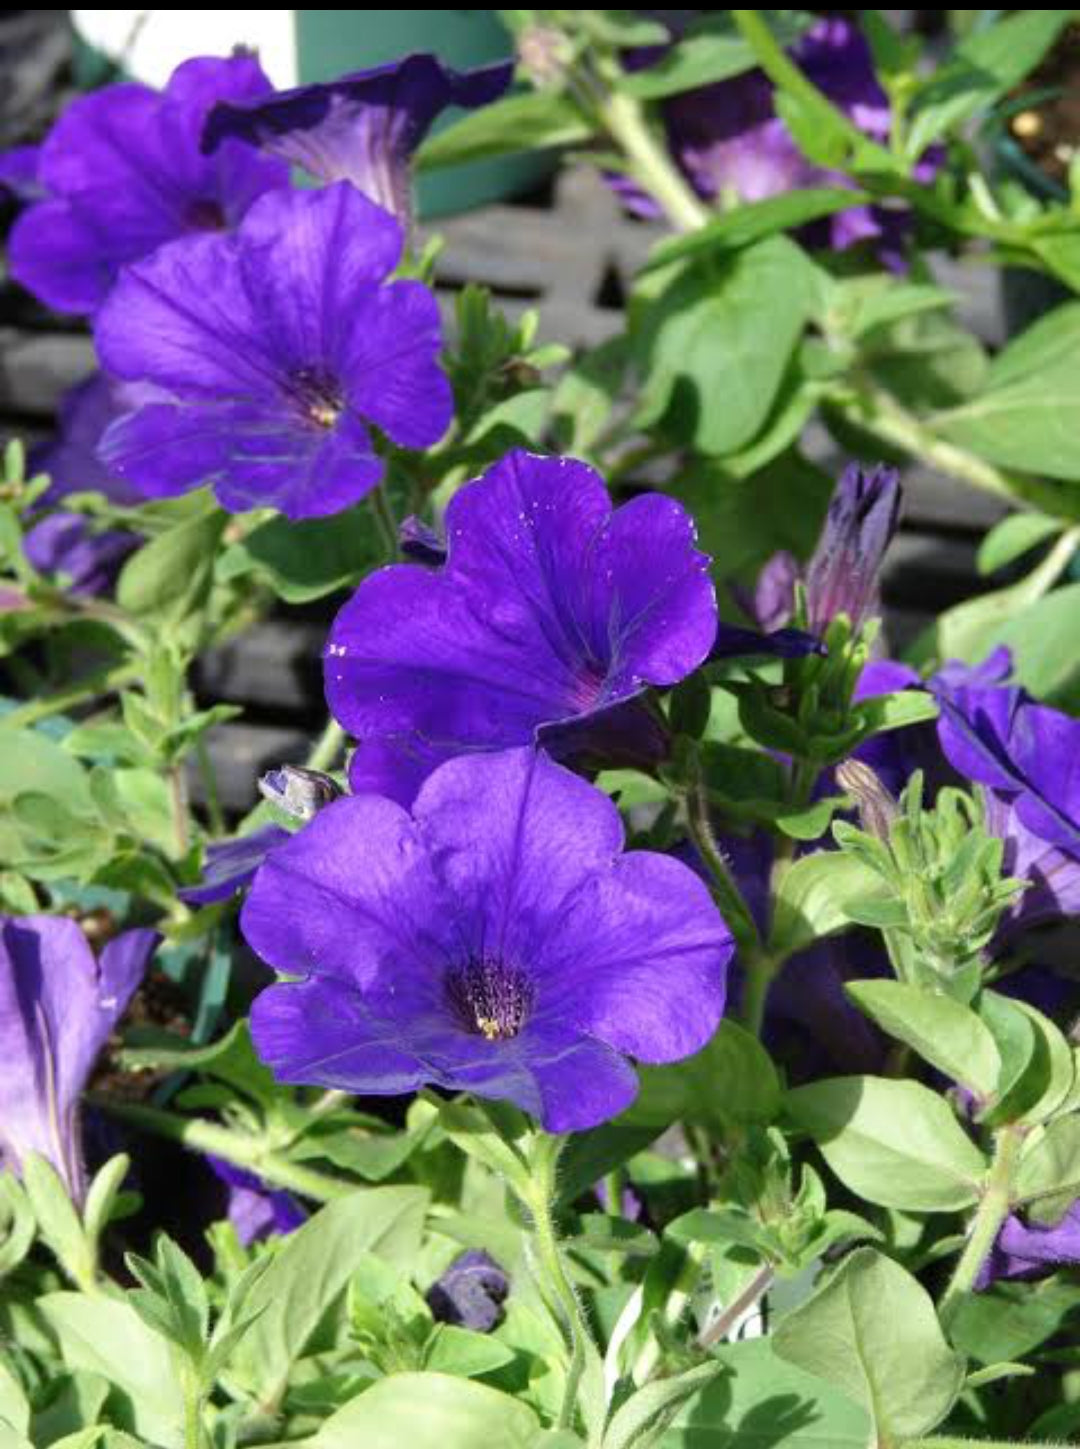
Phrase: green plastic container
pixel 319 45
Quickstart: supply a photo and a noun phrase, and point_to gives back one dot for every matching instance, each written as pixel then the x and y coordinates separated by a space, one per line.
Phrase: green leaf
pixel 604 1233
pixel 1012 538
pixel 1012 1319
pixel 726 330
pixel 428 1411
pixel 17 1225
pixel 711 50
pixel 312 1270
pixel 944 1033
pixel 765 1402
pixel 872 1332
pixel 106 1336
pixel 73 1403
pixel 894 1143
pixel 994 1372
pixel 230 1059
pixel 1050 1168
pixel 753 222
pixel 716 1225
pixel 589 1156
pixel 645 1413
pixel 101 1197
pixel 170 574
pixel 742 520
pixel 453 1350
pixel 815 899
pixel 531 122
pixel 1024 416
pixel 57 1220
pixel 14 1405
pixel 305 561
pixel 731 1080
pixel 984 66
pixel 1038 1068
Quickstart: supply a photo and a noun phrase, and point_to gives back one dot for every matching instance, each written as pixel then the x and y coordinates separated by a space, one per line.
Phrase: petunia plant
pixel 645 1014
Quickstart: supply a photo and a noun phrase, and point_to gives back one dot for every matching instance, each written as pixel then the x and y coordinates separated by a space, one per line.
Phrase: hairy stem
pixel 556 1279
pixel 624 120
pixel 992 1211
pixel 327 747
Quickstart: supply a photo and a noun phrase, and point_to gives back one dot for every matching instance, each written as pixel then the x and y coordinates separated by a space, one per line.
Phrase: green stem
pixel 880 413
pixel 541 1195
pixel 992 1211
pixel 385 522
pixel 624 120
pixel 729 898
pixel 210 787
pixel 760 970
pixel 327 747
pixel 179 800
pixel 193 1406
pixel 198 1135
pixel 106 681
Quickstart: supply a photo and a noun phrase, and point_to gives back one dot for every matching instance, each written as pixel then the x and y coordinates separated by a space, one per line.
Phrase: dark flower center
pixel 204 215
pixel 320 396
pixel 491 998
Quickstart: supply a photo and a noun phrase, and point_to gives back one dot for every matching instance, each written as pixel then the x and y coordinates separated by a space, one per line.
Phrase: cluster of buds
pixel 943 892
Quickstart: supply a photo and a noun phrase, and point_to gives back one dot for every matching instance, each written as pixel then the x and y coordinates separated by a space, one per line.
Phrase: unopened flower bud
pixel 877 807
pixel 300 792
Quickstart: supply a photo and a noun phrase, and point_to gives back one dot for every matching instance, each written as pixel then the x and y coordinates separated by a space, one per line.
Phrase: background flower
pixel 496 940
pixel 122 173
pixel 362 128
pixel 280 348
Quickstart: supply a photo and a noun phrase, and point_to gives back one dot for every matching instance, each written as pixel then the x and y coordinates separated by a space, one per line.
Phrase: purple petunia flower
pixel 1026 753
pixel 844 570
pixel 230 865
pixel 363 128
pixel 728 139
pixel 58 1006
pixel 470 1293
pixel 256 1210
pixel 66 542
pixel 280 347
pixel 496 940
pixel 122 174
pixel 1023 1251
pixel 552 614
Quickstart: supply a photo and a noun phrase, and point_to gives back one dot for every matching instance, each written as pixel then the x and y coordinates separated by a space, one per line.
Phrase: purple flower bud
pixel 421 544
pixel 842 576
pixel 298 791
pixel 470 1293
pixel 877 808
pixel 255 1209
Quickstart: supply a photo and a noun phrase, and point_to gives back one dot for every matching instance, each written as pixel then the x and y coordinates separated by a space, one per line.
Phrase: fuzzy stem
pixel 733 908
pixel 385 522
pixel 991 1214
pixel 199 1135
pixel 625 122
pixel 544 1162
pixel 877 411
